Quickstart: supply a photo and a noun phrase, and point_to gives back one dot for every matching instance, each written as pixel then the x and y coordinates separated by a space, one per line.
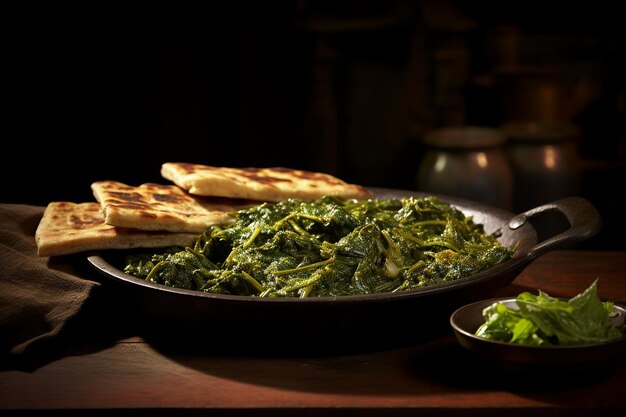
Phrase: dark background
pixel 344 87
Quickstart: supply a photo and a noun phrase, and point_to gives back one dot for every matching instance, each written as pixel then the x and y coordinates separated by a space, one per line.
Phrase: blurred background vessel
pixel 468 162
pixel 346 87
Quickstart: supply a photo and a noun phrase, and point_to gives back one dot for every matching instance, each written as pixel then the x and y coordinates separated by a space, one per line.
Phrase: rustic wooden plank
pixel 435 377
pixel 567 273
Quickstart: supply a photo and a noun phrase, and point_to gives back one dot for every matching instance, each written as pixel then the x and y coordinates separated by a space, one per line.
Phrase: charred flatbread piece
pixel 265 184
pixel 67 228
pixel 161 207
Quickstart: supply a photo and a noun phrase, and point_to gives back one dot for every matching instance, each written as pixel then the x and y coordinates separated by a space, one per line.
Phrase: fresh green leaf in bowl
pixel 542 320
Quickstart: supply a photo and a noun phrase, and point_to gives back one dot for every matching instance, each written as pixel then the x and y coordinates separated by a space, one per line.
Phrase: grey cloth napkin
pixel 39 296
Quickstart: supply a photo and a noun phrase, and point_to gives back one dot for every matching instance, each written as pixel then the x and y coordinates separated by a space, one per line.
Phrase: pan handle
pixel 583 218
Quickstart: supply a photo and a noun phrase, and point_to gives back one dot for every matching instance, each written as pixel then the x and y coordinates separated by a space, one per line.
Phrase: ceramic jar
pixel 545 161
pixel 468 162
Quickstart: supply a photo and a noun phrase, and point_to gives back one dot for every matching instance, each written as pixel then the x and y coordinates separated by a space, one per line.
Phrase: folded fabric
pixel 38 295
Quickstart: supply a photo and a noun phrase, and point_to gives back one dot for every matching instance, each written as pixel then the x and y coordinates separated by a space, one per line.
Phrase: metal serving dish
pixel 361 320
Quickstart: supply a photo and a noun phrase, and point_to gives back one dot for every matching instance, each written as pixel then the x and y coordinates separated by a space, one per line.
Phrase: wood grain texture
pixel 436 377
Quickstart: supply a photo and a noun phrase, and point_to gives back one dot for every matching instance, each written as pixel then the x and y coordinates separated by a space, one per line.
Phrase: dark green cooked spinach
pixel 328 247
pixel 543 320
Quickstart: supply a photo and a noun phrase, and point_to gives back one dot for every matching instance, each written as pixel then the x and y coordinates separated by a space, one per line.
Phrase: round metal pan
pixel 361 320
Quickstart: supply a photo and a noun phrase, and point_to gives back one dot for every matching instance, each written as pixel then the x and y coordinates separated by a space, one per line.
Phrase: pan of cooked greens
pixel 332 270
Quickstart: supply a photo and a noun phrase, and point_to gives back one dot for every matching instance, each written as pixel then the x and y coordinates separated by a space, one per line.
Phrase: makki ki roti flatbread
pixel 263 184
pixel 162 207
pixel 66 228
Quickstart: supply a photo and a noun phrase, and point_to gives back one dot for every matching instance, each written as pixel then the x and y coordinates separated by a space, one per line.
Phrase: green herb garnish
pixel 542 320
pixel 328 247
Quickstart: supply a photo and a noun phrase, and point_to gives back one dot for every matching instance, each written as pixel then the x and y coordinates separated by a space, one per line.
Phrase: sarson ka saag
pixel 328 247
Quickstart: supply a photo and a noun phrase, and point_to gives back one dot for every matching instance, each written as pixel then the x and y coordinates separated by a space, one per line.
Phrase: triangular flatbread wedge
pixel 162 207
pixel 67 228
pixel 264 184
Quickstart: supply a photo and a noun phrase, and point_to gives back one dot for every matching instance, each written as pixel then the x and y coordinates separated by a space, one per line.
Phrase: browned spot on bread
pixel 169 198
pixel 83 222
pixel 126 196
pixel 125 205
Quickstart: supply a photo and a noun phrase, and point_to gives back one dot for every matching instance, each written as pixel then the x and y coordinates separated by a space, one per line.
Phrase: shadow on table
pixel 466 370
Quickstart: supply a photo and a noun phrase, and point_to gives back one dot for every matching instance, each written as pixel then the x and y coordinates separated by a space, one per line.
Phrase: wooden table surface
pixel 436 377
